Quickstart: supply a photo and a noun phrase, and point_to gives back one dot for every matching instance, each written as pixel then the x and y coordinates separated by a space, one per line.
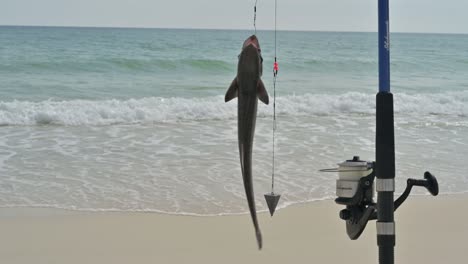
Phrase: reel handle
pixel 430 182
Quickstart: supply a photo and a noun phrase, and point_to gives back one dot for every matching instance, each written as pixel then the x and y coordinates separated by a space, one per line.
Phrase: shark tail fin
pixel 232 91
pixel 262 92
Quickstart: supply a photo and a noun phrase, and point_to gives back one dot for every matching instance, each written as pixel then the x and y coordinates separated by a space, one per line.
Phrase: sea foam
pixel 163 110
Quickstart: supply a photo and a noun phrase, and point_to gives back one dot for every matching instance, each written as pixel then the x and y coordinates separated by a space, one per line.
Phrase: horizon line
pixel 229 29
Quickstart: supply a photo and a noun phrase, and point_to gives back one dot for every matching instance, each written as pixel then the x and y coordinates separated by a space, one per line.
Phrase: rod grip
pixel 385 137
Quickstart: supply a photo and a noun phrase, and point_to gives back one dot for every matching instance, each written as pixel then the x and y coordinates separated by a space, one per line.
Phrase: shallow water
pixel 134 119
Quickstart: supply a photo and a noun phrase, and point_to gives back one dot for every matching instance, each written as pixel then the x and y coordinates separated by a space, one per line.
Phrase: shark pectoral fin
pixel 232 91
pixel 262 93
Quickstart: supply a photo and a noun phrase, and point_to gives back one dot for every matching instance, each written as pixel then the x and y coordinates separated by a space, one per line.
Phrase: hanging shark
pixel 248 86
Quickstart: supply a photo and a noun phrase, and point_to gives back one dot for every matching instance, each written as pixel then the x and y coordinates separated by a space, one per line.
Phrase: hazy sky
pixel 447 16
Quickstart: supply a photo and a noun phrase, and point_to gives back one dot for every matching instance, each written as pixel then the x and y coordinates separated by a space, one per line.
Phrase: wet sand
pixel 429 230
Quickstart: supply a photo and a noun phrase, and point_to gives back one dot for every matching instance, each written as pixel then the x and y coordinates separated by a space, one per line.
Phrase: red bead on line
pixel 275 66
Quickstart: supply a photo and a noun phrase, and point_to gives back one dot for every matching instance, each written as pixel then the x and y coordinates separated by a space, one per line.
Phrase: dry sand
pixel 429 230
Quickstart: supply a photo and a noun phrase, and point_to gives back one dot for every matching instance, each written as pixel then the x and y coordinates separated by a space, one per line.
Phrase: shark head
pixel 251 55
pixel 252 40
pixel 249 70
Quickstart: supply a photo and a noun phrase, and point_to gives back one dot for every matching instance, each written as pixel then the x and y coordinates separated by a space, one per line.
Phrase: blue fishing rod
pixel 385 143
pixel 355 185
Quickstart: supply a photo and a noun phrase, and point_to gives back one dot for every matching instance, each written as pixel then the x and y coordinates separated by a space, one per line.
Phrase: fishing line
pixel 255 17
pixel 275 75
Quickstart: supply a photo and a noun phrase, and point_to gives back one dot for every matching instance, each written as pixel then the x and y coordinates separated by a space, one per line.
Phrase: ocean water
pixel 134 119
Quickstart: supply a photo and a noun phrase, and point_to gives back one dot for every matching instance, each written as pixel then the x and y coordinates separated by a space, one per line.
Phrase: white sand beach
pixel 429 230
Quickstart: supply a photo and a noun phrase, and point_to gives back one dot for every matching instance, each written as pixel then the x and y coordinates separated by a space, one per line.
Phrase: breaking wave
pixel 157 109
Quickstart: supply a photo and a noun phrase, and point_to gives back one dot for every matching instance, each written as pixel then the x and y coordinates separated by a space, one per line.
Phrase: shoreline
pixel 309 232
pixel 45 210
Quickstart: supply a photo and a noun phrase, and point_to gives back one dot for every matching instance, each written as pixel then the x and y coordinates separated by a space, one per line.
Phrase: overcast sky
pixel 447 16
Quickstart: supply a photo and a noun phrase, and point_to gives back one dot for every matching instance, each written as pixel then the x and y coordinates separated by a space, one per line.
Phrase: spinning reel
pixel 355 190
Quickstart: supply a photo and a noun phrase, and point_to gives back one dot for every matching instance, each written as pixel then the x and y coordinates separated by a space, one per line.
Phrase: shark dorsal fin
pixel 232 91
pixel 261 92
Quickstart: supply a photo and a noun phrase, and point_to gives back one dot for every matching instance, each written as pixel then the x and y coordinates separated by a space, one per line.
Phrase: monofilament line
pixel 276 8
pixel 255 17
pixel 275 74
pixel 274 130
